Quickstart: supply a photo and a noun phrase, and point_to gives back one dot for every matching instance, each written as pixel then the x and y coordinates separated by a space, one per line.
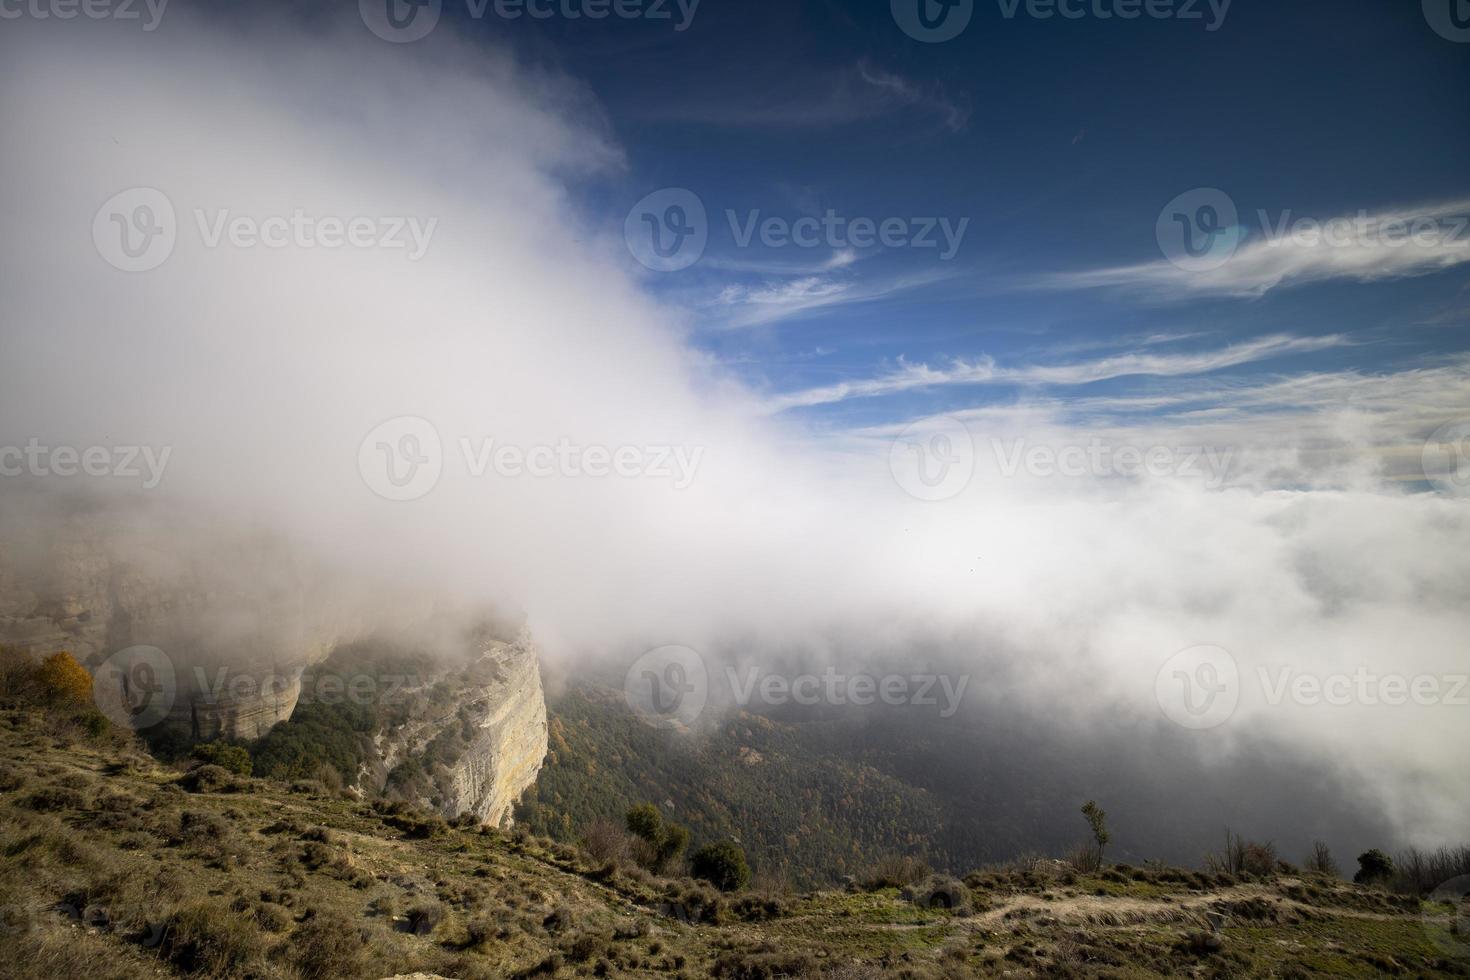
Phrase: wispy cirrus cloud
pixel 1291 250
pixel 740 305
pixel 985 370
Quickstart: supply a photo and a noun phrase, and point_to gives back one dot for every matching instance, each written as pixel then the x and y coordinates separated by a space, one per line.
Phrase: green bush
pixel 664 840
pixel 235 758
pixel 1373 866
pixel 722 865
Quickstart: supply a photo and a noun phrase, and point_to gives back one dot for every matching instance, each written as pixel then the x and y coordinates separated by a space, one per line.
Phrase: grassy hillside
pixel 115 866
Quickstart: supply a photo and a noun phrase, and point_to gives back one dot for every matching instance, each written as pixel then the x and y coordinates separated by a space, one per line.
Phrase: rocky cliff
pixel 243 632
pixel 231 619
pixel 475 744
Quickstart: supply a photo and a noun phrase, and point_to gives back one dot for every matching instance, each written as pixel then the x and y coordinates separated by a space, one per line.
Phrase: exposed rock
pixel 230 617
pixel 500 710
pixel 239 628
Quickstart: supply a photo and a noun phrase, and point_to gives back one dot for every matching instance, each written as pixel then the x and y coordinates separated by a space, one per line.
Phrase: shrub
pixel 1242 857
pixel 208 779
pixel 605 841
pixel 11 778
pixel 894 872
pixel 233 758
pixel 722 865
pixel 662 841
pixel 1320 860
pixel 645 821
pixel 49 798
pixel 586 945
pixel 62 680
pixel 1258 858
pixel 763 963
pixel 1085 858
pixel 422 918
pixel 205 938
pixel 939 893
pixel 558 919
pixel 272 917
pixel 328 945
pixel 1373 866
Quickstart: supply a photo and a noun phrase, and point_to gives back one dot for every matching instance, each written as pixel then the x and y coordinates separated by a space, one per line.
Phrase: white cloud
pixel 909 377
pixel 264 370
pixel 1289 250
pixel 738 306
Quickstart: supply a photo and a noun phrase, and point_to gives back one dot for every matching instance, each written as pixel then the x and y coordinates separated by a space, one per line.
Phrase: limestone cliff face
pixel 243 623
pixel 496 712
pixel 232 619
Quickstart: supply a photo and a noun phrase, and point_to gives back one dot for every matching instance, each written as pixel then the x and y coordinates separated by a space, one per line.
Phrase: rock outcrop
pixel 238 626
pixel 231 617
pixel 497 711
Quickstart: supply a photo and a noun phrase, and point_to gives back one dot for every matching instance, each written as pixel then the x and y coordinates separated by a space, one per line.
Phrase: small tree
pixel 1097 823
pixel 646 822
pixel 63 680
pixel 662 841
pixel 722 865
pixel 1321 859
pixel 1373 866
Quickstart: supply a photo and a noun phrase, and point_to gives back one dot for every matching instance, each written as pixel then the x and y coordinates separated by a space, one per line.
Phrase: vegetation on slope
pixel 118 867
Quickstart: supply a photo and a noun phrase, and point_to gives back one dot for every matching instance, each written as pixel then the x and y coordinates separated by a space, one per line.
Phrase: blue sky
pixel 1058 142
